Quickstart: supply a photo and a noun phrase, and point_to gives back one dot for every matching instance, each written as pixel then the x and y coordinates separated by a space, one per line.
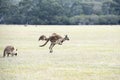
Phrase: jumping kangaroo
pixel 54 39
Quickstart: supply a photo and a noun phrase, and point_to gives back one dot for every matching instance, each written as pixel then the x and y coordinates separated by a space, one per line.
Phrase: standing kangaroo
pixel 9 50
pixel 54 39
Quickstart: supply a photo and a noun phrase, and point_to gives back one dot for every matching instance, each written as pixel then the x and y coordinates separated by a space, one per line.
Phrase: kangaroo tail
pixel 42 37
pixel 45 43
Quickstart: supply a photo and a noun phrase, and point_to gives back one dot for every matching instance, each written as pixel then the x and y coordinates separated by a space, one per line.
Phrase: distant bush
pixel 60 12
pixel 95 19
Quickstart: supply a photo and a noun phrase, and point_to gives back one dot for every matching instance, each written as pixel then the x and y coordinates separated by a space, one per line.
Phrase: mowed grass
pixel 93 53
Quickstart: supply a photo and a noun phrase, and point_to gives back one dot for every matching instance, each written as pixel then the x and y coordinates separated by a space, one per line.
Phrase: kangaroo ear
pixel 16 49
pixel 65 35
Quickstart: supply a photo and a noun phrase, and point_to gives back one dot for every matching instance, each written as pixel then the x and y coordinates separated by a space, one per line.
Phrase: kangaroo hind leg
pixel 51 47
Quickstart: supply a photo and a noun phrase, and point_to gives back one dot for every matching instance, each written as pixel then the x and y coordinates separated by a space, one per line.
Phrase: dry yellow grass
pixel 93 53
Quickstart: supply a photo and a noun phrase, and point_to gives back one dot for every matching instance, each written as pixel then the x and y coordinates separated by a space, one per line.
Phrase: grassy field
pixel 93 53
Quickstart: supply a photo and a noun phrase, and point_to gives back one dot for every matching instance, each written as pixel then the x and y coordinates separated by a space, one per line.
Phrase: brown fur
pixel 9 50
pixel 42 37
pixel 54 39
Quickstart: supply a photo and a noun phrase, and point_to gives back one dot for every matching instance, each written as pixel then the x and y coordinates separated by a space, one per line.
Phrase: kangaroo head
pixel 16 52
pixel 66 37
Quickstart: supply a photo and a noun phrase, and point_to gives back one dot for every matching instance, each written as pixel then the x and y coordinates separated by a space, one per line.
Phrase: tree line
pixel 60 12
